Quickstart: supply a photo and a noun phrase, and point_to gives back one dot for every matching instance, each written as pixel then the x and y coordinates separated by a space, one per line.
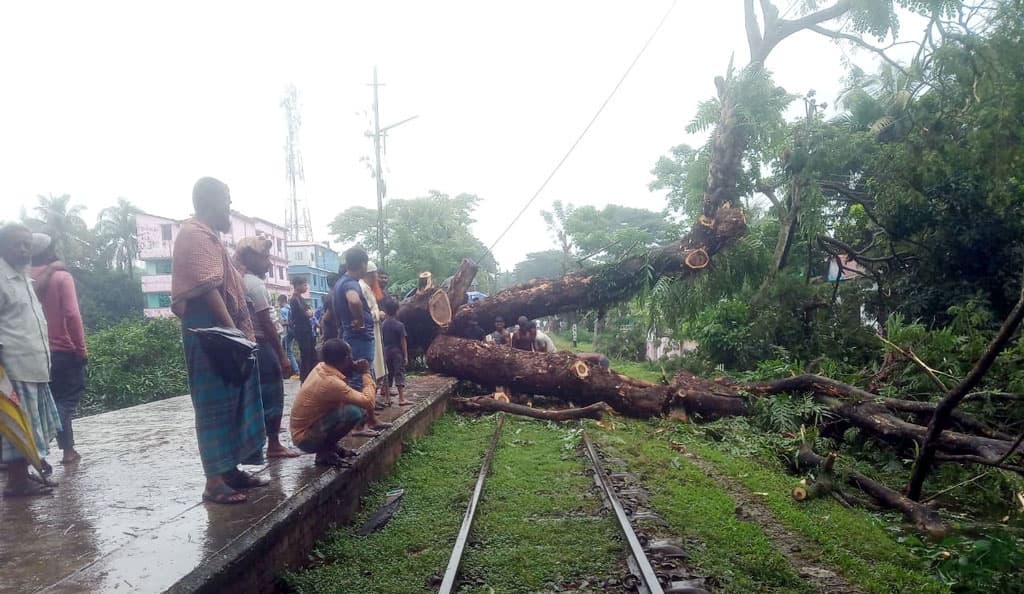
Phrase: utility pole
pixel 378 134
pixel 377 173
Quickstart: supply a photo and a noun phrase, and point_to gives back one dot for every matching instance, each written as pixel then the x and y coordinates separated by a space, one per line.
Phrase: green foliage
pixel 546 264
pixel 134 362
pixel 988 564
pixel 107 297
pixel 427 233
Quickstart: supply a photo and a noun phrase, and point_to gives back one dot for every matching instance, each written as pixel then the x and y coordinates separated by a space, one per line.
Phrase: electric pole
pixel 378 134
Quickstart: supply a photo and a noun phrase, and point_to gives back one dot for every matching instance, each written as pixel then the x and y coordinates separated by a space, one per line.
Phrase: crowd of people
pixel 345 349
pixel 352 352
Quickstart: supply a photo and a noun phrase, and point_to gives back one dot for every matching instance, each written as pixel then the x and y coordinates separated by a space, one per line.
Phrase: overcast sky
pixel 133 99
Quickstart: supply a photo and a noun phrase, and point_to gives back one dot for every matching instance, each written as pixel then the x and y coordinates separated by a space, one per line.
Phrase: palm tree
pixel 56 216
pixel 116 235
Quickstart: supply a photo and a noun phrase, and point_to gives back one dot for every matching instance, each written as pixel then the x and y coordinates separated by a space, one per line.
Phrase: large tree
pixel 116 235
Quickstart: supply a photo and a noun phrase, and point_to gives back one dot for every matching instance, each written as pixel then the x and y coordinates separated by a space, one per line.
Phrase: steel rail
pixel 647 576
pixel 452 572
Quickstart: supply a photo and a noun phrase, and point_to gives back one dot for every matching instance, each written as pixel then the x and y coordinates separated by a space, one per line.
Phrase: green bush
pixel 134 362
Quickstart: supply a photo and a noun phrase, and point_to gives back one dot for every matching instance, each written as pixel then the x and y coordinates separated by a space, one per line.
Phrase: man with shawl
pixel 207 291
pixel 26 358
pixel 370 288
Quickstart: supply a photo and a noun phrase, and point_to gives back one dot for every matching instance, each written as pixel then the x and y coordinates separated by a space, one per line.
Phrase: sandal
pixel 331 459
pixel 224 495
pixel 239 480
pixel 42 480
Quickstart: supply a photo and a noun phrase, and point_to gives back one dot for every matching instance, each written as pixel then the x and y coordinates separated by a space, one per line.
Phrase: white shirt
pixel 23 333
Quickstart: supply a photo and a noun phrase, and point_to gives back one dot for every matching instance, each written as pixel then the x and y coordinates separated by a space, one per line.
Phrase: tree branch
pixel 753 31
pixel 837 35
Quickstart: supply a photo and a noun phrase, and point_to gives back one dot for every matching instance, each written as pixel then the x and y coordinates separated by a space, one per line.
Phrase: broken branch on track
pixel 488 404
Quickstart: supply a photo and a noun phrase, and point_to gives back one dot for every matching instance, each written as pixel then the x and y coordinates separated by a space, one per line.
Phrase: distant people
pixel 301 326
pixel 207 291
pixel 370 289
pixel 288 340
pixel 501 335
pixel 328 322
pixel 385 281
pixel 528 338
pixel 25 356
pixel 68 357
pixel 252 256
pixel 327 408
pixel 396 353
pixel 355 319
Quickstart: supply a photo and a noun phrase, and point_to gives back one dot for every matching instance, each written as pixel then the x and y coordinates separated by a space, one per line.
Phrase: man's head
pixel 523 321
pixel 44 249
pixel 282 300
pixel 212 203
pixel 530 329
pixel 371 273
pixel 254 254
pixel 16 245
pixel 338 355
pixel 382 279
pixel 499 323
pixel 300 285
pixel 391 308
pixel 356 260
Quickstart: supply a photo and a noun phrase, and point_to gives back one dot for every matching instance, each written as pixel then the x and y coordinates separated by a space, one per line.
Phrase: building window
pixel 165 232
pixel 155 300
pixel 158 266
pixel 280 246
pixel 280 272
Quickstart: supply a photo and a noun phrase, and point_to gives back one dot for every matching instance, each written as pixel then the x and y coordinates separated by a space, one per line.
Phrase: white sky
pixel 133 99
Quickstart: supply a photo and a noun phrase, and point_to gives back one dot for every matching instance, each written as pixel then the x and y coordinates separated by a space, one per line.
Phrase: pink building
pixel 156 237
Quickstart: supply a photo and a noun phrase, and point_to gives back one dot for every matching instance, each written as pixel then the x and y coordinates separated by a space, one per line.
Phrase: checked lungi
pixel 271 386
pixel 36 402
pixel 229 418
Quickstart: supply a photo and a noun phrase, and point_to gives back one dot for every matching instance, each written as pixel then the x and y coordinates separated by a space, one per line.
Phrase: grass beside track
pixel 537 526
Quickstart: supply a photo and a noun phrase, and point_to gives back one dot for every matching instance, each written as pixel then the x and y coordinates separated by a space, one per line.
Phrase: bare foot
pixel 70 456
pixel 405 402
pixel 279 451
pixel 379 426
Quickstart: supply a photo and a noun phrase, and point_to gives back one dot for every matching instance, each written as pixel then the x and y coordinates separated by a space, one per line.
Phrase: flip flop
pixel 239 480
pixel 42 480
pixel 28 491
pixel 225 495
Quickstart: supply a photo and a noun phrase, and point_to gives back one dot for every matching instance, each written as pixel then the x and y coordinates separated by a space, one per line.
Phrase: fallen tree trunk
pixel 429 312
pixel 560 375
pixel 602 285
pixel 924 517
pixel 487 404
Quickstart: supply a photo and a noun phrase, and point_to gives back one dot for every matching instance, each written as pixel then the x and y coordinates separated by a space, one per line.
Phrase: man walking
pixel 207 291
pixel 302 327
pixel 252 255
pixel 56 290
pixel 26 356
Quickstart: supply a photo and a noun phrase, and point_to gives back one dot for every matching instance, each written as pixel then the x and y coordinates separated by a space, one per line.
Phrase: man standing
pixel 355 319
pixel 252 255
pixel 206 292
pixel 25 355
pixel 302 327
pixel 500 335
pixel 284 314
pixel 56 290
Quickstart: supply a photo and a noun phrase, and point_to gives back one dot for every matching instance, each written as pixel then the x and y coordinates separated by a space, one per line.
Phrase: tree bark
pixel 560 375
pixel 423 322
pixel 487 404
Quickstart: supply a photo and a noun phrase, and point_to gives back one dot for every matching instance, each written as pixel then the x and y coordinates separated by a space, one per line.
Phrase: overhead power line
pixel 490 250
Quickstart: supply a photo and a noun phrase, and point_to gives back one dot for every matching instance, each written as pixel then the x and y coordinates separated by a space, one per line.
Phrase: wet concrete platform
pixel 129 516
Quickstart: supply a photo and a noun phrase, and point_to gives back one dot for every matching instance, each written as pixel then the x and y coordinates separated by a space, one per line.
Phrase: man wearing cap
pixel 25 355
pixel 252 257
pixel 55 288
pixel 206 292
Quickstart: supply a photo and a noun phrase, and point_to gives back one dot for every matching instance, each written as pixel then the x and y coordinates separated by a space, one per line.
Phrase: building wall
pixel 156 236
pixel 314 262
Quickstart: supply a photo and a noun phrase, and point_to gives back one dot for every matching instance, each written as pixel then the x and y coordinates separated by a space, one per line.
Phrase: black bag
pixel 232 355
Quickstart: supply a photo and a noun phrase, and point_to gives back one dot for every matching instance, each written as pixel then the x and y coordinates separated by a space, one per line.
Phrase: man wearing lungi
pixel 207 291
pixel 26 356
pixel 252 256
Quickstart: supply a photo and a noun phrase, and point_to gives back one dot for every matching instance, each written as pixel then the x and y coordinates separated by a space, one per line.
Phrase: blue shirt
pixel 345 284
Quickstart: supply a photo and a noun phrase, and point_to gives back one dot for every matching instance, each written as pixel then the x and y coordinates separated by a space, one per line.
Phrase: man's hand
pixel 357 323
pixel 363 366
pixel 286 367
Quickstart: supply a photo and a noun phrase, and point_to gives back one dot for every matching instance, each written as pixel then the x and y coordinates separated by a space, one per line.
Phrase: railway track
pixel 655 565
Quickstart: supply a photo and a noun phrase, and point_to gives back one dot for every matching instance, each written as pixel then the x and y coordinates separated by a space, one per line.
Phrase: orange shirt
pixel 324 390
